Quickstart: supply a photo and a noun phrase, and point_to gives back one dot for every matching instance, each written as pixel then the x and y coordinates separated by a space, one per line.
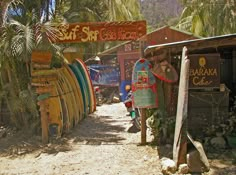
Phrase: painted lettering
pixel 65 35
pixel 125 35
pixel 107 34
pixel 203 72
pixel 201 81
pixel 90 35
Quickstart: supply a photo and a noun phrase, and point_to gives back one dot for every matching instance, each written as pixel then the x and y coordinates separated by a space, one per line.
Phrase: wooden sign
pixel 101 31
pixel 144 85
pixel 42 79
pixel 204 71
pixel 41 57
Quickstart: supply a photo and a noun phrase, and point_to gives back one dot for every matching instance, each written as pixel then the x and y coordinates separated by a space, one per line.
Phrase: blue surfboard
pixel 82 85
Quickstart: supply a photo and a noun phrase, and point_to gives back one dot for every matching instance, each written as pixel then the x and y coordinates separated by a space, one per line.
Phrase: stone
pixel 183 169
pixel 218 142
pixel 168 166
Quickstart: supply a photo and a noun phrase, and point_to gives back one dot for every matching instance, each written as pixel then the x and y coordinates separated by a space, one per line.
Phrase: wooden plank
pixel 41 57
pixel 42 90
pixel 44 121
pixel 50 72
pixel 180 137
pixel 41 66
pixel 41 84
pixel 43 79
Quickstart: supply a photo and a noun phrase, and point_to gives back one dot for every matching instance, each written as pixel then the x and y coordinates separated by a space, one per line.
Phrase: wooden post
pixel 143 110
pixel 143 127
pixel 234 66
pixel 180 138
pixel 44 121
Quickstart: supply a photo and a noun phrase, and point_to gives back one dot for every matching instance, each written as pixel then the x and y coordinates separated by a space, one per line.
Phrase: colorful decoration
pixel 144 86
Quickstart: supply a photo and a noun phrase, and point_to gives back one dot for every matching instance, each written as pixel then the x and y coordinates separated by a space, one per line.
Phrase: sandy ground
pixel 99 145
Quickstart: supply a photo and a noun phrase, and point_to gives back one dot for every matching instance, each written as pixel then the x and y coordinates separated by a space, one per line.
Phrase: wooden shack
pixel 212 80
pixel 126 54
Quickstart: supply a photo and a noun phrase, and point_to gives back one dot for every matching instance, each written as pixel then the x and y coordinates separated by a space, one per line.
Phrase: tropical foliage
pixel 22 30
pixel 100 10
pixel 26 25
pixel 208 17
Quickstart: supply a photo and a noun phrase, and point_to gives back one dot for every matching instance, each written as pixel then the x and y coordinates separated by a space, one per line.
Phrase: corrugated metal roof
pixel 209 42
pixel 176 29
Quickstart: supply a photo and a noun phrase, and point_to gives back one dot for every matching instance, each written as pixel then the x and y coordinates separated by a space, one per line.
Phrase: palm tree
pixel 208 18
pixel 25 25
pixel 101 10
pixel 20 34
pixel 122 10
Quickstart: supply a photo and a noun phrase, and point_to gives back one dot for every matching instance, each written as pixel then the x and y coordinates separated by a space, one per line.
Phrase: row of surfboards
pixel 66 93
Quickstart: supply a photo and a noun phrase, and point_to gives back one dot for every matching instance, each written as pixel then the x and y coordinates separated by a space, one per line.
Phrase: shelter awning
pixel 196 44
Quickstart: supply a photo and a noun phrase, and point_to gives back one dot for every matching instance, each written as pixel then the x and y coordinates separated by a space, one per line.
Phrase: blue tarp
pixel 104 75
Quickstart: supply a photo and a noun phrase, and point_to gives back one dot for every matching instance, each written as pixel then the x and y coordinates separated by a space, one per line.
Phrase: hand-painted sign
pixel 101 31
pixel 204 70
pixel 128 68
pixel 144 85
pixel 104 75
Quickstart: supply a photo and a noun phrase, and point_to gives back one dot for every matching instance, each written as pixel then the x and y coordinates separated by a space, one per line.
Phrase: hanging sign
pixel 104 75
pixel 144 87
pixel 204 71
pixel 101 31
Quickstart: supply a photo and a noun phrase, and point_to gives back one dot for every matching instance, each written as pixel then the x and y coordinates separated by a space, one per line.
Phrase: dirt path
pixel 99 145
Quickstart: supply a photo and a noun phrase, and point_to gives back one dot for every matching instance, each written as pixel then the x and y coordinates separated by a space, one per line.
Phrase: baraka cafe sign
pixel 101 31
pixel 204 71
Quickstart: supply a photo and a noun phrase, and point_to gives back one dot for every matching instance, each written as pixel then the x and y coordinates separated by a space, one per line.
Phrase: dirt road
pixel 99 145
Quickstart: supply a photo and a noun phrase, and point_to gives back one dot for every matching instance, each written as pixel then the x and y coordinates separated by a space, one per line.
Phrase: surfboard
pixel 144 87
pixel 68 97
pixel 85 83
pixel 72 95
pixel 81 83
pixel 64 102
pixel 64 108
pixel 85 72
pixel 45 82
pixel 55 119
pixel 77 93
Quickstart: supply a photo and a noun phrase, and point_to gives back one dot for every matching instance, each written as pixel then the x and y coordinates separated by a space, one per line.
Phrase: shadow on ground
pixel 91 131
pixel 98 130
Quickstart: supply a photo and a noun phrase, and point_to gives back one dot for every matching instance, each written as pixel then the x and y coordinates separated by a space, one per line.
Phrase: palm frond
pixel 5 6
